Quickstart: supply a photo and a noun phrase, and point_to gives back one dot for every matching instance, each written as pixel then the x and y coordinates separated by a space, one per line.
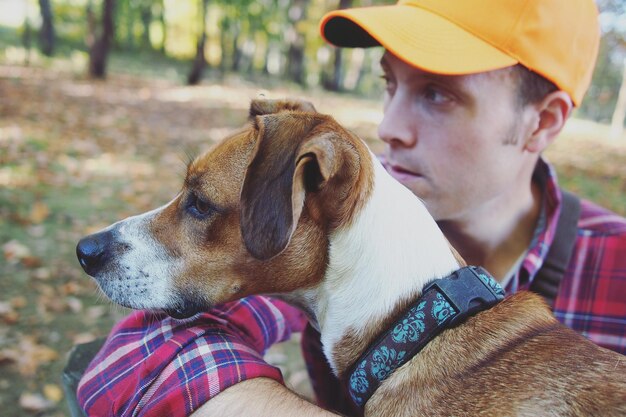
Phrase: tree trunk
pixel 296 70
pixel 146 19
pixel 224 29
pixel 336 81
pixel 100 49
pixel 91 25
pixel 26 34
pixel 236 62
pixel 617 122
pixel 46 36
pixel 268 51
pixel 163 27
pixel 129 19
pixel 363 71
pixel 199 62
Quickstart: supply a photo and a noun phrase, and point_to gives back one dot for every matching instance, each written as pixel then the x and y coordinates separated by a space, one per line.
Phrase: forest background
pixel 102 102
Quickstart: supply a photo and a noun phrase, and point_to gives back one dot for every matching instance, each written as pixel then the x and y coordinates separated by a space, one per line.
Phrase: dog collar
pixel 444 303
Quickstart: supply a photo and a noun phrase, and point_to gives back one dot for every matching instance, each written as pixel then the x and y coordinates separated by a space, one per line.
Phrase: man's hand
pixel 259 397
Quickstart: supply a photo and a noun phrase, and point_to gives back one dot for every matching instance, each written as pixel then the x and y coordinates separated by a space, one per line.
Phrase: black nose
pixel 94 251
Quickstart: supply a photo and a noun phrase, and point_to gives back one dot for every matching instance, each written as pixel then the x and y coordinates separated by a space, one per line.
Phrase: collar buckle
pixel 468 290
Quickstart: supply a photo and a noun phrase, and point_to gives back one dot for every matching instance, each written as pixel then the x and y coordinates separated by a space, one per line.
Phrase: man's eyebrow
pixel 443 78
pixel 425 74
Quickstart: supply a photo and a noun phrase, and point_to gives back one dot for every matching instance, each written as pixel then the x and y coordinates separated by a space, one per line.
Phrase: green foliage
pixel 254 38
pixel 261 38
pixel 602 94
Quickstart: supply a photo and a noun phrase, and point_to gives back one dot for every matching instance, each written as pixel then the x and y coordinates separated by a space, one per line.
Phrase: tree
pixel 46 35
pixel 102 39
pixel 199 62
pixel 336 81
pixel 615 33
pixel 27 35
pixel 146 19
pixel 296 70
pixel 161 17
pixel 617 121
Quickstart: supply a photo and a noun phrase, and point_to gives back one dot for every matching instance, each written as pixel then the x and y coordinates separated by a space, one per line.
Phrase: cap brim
pixel 419 37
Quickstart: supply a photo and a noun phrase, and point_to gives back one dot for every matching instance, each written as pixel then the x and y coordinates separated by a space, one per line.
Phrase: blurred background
pixel 102 103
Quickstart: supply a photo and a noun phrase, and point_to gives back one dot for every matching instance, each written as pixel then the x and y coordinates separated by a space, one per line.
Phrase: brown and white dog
pixel 296 206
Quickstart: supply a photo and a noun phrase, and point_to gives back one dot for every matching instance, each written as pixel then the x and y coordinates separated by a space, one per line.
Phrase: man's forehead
pixel 390 61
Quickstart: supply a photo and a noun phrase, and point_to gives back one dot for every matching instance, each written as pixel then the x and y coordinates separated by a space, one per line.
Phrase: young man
pixel 475 91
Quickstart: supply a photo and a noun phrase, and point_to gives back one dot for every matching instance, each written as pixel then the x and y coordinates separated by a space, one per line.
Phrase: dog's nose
pixel 93 251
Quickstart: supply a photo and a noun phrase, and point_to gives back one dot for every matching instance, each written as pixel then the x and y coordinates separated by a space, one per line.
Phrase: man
pixel 475 91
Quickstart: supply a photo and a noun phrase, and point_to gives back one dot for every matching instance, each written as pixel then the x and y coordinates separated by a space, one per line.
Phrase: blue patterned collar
pixel 444 303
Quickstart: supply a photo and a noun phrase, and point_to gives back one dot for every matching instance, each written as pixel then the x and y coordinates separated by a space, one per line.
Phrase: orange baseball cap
pixel 556 38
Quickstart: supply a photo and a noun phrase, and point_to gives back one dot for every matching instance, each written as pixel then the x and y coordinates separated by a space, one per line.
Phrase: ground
pixel 77 154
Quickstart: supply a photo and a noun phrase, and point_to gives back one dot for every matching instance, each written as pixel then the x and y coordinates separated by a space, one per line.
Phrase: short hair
pixel 531 86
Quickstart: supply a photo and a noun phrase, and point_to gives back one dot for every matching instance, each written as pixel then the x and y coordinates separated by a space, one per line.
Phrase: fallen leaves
pixel 35 402
pixel 15 251
pixel 39 212
pixel 8 309
pixel 28 355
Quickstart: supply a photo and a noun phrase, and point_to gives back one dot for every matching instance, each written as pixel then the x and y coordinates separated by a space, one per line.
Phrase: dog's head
pixel 253 217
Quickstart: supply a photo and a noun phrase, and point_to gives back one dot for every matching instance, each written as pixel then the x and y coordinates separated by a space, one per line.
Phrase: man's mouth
pixel 402 174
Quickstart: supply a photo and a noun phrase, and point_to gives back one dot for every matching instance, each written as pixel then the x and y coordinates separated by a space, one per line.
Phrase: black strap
pixel 547 280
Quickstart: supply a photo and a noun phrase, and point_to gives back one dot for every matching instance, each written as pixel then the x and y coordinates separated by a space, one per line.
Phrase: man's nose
pixel 396 128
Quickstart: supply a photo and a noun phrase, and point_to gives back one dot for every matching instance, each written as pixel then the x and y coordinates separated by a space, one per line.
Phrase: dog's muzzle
pixel 94 251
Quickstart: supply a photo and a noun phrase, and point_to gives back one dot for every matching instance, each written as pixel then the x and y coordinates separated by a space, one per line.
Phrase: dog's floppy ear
pixel 291 158
pixel 260 107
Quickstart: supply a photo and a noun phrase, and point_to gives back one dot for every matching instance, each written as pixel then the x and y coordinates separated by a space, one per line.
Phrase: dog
pixel 296 206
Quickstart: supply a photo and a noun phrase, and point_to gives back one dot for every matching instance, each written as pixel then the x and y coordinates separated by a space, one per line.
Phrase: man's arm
pixel 153 365
pixel 259 397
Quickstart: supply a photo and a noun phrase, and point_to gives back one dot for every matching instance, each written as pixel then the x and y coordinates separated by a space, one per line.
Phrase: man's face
pixel 457 142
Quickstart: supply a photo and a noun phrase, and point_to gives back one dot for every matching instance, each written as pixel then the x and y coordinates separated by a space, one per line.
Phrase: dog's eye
pixel 198 207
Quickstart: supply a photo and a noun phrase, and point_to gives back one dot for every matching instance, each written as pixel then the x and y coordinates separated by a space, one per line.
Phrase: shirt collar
pixel 545 177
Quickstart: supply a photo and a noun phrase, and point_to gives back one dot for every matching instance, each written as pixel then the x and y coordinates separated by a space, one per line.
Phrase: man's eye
pixel 389 85
pixel 436 96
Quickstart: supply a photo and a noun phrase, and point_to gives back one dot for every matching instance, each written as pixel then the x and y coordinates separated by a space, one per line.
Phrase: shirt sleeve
pixel 152 364
pixel 330 393
pixel 592 294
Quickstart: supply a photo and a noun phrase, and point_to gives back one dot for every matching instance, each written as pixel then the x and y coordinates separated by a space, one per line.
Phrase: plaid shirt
pixel 156 365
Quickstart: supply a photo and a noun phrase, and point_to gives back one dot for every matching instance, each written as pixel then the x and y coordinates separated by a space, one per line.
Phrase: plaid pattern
pixel 155 365
pixel 592 300
pixel 592 293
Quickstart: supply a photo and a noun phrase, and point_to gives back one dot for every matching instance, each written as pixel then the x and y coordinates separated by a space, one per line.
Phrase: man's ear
pixel 552 113
pixel 291 159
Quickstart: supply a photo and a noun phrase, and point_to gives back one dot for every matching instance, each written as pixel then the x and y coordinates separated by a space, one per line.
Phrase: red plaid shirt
pixel 156 365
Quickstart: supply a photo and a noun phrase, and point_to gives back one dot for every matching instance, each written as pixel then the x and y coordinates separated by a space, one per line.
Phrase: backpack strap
pixel 548 278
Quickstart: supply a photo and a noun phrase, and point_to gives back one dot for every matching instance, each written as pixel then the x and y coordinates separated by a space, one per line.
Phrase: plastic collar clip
pixel 468 290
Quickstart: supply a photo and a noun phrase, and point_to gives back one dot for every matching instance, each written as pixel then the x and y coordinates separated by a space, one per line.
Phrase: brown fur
pixel 512 360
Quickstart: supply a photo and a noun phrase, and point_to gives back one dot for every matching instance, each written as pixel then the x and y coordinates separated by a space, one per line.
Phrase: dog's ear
pixel 260 107
pixel 293 156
